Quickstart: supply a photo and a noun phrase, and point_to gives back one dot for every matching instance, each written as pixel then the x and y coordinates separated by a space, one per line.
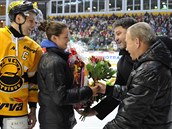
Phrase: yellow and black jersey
pixel 18 57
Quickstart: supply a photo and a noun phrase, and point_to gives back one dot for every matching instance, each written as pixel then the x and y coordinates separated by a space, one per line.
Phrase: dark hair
pixel 54 28
pixel 42 26
pixel 125 22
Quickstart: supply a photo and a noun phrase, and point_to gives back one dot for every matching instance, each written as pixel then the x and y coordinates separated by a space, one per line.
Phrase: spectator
pixel 93 26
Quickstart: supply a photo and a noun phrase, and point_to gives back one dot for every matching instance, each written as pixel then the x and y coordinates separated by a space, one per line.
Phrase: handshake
pixel 98 88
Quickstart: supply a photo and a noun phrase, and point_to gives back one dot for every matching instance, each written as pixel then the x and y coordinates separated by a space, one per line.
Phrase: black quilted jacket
pixel 148 101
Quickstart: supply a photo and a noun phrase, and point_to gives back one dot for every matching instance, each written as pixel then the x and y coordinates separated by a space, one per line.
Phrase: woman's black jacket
pixel 56 91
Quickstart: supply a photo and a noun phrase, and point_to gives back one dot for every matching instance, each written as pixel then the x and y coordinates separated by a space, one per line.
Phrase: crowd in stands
pixel 97 31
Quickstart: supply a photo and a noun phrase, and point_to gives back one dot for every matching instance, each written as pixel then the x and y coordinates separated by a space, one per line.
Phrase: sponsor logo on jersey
pixel 12 106
pixel 10 74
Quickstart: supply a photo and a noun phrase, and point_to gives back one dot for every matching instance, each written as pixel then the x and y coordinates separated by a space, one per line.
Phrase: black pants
pixel 1 119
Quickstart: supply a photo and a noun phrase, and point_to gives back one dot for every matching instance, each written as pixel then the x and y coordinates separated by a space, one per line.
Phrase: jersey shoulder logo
pixel 10 74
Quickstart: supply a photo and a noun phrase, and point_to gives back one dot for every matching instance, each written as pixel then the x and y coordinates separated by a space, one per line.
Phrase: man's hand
pixel 32 118
pixel 98 88
pixel 102 87
pixel 95 90
pixel 91 112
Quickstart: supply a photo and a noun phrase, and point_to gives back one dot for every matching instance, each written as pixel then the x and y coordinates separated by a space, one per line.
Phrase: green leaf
pixel 100 70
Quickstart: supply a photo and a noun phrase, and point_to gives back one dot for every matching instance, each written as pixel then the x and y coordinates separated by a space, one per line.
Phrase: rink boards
pixel 112 57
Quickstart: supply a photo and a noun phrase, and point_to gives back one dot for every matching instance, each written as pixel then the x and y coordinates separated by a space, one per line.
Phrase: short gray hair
pixel 143 31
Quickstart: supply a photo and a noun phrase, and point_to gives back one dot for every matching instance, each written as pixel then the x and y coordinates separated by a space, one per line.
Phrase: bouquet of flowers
pixel 88 71
pixel 99 70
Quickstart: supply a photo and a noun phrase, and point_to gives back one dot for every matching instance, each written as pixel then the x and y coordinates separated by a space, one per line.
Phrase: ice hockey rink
pixel 93 122
pixel 90 122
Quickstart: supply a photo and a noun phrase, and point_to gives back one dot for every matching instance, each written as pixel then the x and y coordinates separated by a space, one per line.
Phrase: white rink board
pixel 112 57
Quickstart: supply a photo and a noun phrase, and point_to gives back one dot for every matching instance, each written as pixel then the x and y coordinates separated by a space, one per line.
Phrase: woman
pixel 55 80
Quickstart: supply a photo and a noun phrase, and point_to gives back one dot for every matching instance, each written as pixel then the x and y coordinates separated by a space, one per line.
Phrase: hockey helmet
pixel 21 7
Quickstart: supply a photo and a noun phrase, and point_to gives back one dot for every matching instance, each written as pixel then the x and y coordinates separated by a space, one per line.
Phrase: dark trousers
pixel 1 119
